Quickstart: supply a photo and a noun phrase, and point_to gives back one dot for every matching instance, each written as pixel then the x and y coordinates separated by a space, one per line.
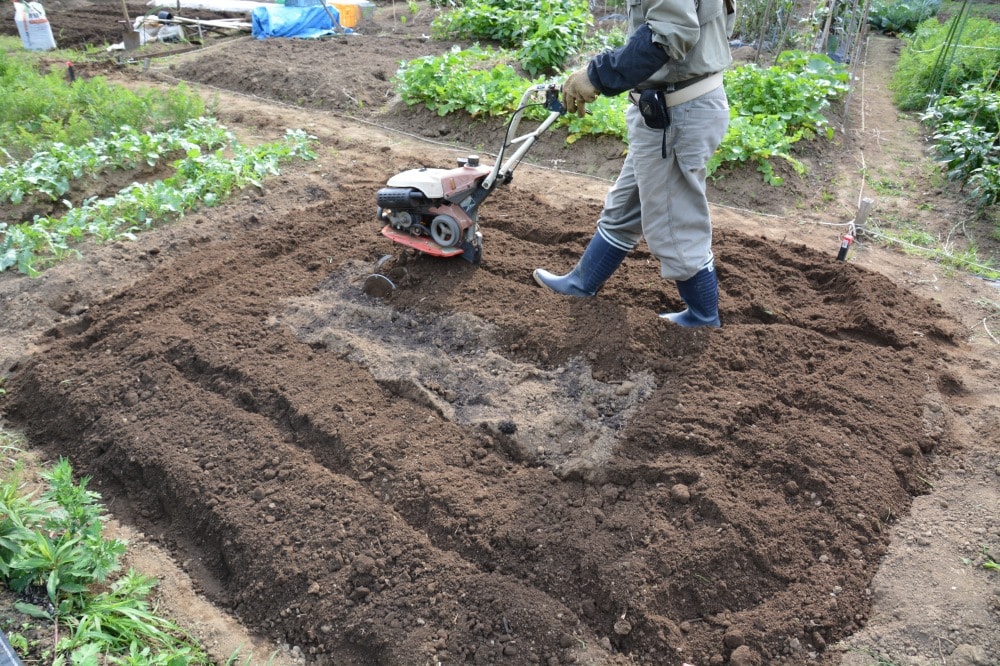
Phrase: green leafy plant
pixel 478 81
pixel 606 116
pixel 902 15
pixel 757 139
pixel 773 108
pixel 544 33
pixel 69 553
pixel 989 562
pixel 609 36
pixel 966 135
pixel 19 642
pixel 37 110
pixel 55 544
pixel 51 171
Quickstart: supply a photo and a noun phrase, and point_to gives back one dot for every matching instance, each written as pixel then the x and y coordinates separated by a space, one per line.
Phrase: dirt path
pixel 472 470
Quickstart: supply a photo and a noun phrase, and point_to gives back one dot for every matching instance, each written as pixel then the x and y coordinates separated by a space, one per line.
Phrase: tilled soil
pixel 469 468
pixel 473 469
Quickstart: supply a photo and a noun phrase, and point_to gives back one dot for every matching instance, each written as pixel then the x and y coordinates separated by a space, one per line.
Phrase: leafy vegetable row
pixel 771 108
pixel 199 179
pixel 51 171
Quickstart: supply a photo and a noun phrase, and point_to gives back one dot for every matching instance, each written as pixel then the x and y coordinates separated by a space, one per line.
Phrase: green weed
pixel 923 244
pixel 53 545
pixel 887 186
pixel 479 81
pixel 19 642
pixel 989 562
pixel 918 237
pixel 37 110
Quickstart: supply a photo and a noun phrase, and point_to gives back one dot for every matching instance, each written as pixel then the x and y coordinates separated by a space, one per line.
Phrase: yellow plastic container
pixel 353 11
pixel 350 15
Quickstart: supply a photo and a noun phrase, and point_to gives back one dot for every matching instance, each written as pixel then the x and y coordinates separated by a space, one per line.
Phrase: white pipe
pixel 246 6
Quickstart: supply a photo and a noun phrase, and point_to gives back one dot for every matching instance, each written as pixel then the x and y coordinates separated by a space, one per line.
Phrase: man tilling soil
pixel 672 63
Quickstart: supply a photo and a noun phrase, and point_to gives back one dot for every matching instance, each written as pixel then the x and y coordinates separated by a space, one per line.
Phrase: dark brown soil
pixel 746 494
pixel 470 469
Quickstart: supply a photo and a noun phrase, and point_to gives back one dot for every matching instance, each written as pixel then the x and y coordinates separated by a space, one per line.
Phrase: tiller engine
pixel 436 211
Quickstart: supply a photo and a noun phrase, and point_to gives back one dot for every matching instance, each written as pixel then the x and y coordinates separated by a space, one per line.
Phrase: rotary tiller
pixel 436 211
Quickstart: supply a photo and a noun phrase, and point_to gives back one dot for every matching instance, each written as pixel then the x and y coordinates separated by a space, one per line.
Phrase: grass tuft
pixel 54 556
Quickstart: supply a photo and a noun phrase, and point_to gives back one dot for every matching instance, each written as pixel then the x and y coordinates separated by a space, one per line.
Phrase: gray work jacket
pixel 693 33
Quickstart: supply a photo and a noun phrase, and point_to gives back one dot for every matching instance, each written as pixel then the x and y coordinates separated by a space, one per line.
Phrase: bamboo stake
pixel 763 28
pixel 826 27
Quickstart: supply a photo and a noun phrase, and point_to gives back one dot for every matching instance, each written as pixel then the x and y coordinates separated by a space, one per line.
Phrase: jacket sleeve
pixel 614 72
pixel 675 25
pixel 670 30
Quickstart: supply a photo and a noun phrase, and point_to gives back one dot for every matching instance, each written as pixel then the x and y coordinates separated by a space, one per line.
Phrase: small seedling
pixel 990 563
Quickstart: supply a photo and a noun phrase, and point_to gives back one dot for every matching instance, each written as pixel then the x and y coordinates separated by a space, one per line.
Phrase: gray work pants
pixel 663 199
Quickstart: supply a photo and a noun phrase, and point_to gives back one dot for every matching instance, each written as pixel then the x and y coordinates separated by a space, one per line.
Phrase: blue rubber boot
pixel 701 295
pixel 598 262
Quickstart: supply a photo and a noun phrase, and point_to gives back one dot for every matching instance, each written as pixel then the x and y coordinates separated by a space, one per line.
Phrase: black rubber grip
pixel 400 197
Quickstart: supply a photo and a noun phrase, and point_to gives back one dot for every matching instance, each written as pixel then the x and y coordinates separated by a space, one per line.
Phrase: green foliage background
pixel 771 108
pixel 36 110
pixel 966 134
pixel 977 60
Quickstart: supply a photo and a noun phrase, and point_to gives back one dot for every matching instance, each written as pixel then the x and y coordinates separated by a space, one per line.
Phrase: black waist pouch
pixel 653 107
pixel 655 112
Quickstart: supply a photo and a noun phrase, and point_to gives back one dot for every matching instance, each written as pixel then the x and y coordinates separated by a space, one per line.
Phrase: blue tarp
pixel 281 21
